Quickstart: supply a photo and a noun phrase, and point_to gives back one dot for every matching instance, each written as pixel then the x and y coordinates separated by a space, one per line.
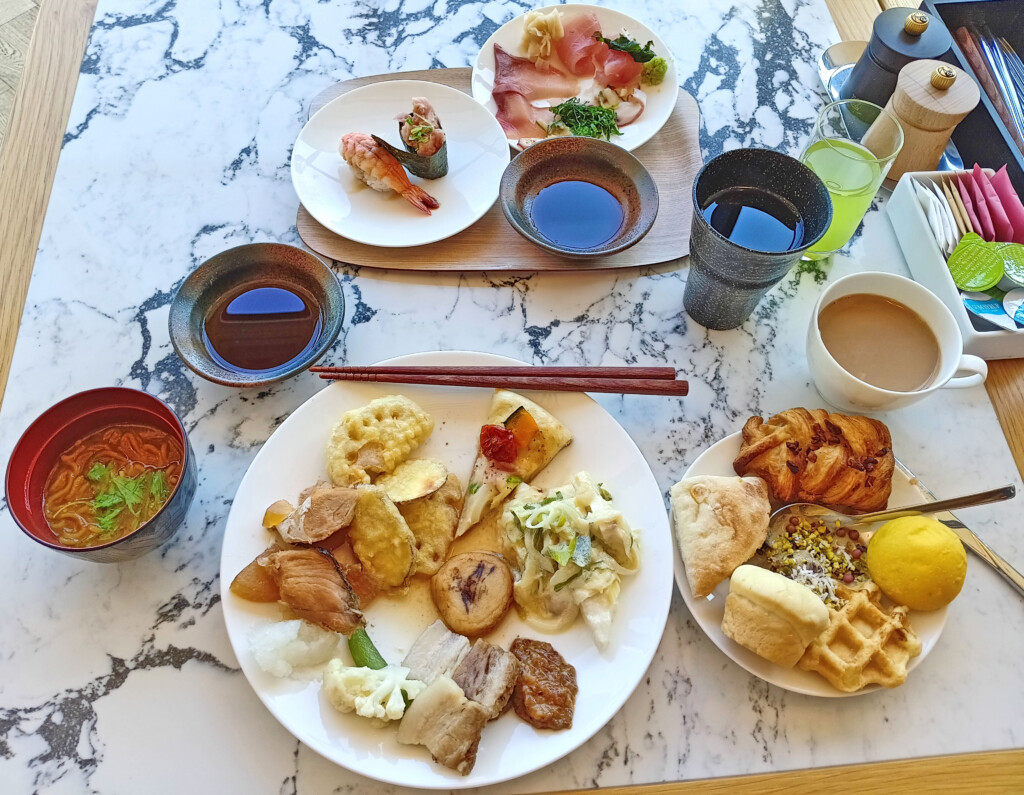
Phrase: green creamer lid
pixel 975 265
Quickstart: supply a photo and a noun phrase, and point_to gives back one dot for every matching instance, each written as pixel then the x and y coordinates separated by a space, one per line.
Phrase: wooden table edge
pixel 28 162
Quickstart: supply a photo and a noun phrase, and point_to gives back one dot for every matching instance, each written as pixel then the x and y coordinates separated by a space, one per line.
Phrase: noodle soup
pixel 110 483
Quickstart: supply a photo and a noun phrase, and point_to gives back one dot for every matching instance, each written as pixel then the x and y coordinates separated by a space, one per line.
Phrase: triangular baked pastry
pixel 720 522
pixel 518 440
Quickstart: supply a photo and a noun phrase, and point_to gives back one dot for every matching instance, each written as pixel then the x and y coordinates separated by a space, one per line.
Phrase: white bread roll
pixel 771 615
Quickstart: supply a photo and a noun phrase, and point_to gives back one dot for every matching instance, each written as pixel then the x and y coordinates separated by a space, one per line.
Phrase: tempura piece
pixel 375 438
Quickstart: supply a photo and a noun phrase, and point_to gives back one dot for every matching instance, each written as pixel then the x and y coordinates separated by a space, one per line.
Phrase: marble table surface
pixel 120 678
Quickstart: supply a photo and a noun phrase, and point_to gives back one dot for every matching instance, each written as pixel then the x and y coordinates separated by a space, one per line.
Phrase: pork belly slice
pixel 436 652
pixel 447 723
pixel 312 585
pixel 488 676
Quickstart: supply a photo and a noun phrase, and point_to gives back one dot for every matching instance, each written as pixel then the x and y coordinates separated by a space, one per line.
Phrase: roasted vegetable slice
pixel 523 426
pixel 472 592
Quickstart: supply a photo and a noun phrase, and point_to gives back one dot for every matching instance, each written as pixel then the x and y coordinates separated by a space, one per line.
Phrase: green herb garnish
pixel 141 496
pixel 98 472
pixel 513 480
pixel 559 553
pixel 589 121
pixel 625 44
pixel 419 132
pixel 108 520
pixel 473 488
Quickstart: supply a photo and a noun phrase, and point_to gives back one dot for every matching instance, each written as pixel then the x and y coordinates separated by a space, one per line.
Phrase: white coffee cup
pixel 846 391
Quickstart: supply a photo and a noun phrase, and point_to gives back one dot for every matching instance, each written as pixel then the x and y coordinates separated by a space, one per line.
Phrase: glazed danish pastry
pixel 811 455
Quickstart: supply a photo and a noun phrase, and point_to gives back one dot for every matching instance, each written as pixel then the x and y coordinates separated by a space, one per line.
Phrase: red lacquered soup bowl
pixel 74 418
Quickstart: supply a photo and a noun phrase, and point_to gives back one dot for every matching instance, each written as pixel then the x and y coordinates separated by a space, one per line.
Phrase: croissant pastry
pixel 814 456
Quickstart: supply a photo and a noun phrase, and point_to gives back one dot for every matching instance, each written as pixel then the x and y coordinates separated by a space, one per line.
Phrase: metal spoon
pixel 968 537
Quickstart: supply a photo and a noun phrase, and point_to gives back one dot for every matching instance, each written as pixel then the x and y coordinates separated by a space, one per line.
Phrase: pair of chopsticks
pixel 616 380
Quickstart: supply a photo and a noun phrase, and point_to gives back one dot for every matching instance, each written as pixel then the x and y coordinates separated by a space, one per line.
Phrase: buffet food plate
pixel 708 613
pixel 672 156
pixel 327 188
pixel 293 458
pixel 661 99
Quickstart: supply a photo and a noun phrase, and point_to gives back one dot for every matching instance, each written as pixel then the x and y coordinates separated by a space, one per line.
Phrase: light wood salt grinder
pixel 930 99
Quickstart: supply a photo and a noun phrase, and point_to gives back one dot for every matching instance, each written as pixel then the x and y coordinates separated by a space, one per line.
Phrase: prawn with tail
pixel 381 171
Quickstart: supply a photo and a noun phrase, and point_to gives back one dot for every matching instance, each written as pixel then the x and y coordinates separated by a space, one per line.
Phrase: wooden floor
pixel 17 18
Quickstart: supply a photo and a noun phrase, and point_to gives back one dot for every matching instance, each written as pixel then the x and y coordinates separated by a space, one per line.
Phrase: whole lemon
pixel 917 561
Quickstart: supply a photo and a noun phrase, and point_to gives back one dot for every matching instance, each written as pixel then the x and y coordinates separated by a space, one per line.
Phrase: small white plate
pixel 661 100
pixel 477 155
pixel 708 612
pixel 293 458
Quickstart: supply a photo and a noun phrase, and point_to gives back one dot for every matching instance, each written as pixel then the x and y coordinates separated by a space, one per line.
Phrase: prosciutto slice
pixel 578 49
pixel 518 117
pixel 521 76
pixel 618 70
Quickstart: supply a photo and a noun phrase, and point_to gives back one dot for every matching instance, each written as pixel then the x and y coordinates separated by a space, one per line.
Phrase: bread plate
pixel 708 612
pixel 293 457
pixel 661 99
pixel 477 155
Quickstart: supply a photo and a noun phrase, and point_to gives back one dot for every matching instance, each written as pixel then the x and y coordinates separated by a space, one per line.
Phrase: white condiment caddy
pixel 928 267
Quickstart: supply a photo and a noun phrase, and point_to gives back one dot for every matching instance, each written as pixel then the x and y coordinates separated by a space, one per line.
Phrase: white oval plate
pixel 477 155
pixel 708 612
pixel 293 458
pixel 661 100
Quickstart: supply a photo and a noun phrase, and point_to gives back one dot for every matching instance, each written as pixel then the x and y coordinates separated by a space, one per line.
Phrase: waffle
pixel 864 644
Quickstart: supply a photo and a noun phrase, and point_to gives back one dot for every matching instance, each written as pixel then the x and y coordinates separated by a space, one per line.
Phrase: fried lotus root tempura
pixel 375 439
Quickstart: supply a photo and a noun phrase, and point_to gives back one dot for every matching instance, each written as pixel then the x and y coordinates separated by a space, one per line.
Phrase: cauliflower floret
pixel 374 694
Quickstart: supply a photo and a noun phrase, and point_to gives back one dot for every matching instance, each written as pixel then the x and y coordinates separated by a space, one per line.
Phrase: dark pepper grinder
pixel 897 39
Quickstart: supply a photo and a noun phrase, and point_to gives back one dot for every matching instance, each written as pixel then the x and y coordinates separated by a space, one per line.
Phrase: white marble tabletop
pixel 120 678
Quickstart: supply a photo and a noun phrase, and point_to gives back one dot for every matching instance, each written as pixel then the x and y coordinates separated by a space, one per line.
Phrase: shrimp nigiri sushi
pixel 372 164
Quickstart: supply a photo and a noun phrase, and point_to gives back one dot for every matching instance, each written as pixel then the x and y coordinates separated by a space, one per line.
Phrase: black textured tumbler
pixel 727 278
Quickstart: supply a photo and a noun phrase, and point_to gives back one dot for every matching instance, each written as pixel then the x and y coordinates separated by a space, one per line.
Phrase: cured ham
pixel 618 70
pixel 518 117
pixel 520 76
pixel 578 48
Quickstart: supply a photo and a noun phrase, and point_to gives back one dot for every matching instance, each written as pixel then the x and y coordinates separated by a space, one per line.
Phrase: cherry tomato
pixel 498 444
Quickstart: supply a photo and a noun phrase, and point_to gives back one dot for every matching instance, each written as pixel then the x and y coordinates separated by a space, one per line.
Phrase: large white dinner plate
pixel 293 458
pixel 661 100
pixel 717 460
pixel 477 155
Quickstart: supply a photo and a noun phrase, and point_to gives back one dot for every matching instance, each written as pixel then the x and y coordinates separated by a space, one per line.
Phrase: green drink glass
pixel 853 145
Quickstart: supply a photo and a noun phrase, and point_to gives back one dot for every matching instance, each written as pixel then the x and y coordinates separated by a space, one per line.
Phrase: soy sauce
pixel 755 219
pixel 260 327
pixel 576 214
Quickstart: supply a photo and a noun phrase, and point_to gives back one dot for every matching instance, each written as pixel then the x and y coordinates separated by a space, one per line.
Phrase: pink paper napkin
pixel 1011 203
pixel 988 230
pixel 1004 232
pixel 965 197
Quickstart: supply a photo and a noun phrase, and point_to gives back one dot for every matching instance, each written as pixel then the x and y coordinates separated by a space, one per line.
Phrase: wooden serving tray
pixel 491 244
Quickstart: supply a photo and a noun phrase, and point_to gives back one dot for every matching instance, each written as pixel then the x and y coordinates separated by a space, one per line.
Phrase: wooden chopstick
pixel 646 373
pixel 620 386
